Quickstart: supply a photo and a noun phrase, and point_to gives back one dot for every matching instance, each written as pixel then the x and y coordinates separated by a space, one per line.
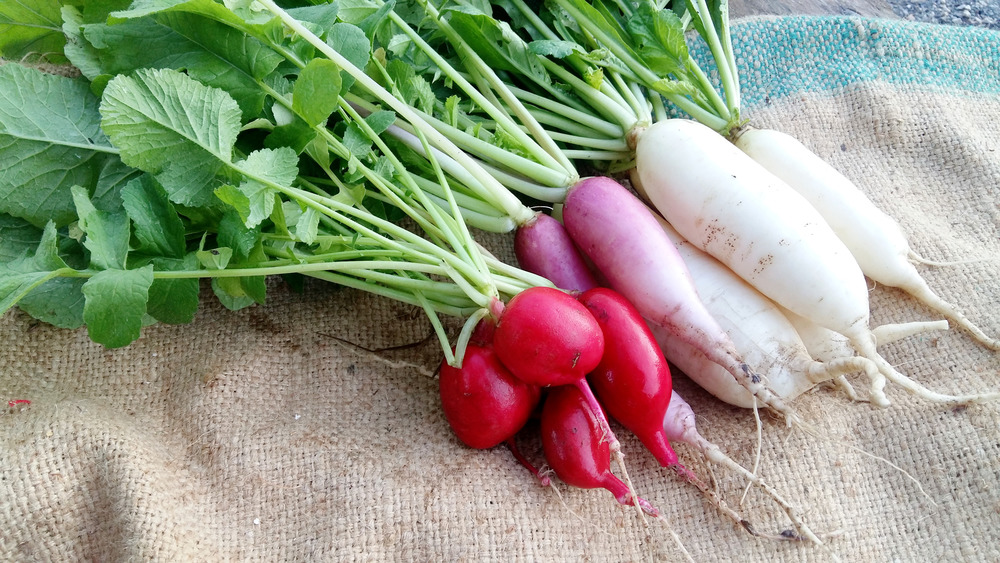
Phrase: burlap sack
pixel 260 435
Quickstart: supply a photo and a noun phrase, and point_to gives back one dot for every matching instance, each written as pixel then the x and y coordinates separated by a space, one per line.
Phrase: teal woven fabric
pixel 791 55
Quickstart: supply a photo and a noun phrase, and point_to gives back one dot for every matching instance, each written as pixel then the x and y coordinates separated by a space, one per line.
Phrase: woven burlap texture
pixel 309 428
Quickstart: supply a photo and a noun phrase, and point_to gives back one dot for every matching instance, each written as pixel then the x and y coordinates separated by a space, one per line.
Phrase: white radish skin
pixel 623 240
pixel 758 329
pixel 873 237
pixel 731 207
pixel 727 205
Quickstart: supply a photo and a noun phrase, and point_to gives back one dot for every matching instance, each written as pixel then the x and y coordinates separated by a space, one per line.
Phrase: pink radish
pixel 624 241
pixel 484 404
pixel 543 247
pixel 575 449
pixel 874 238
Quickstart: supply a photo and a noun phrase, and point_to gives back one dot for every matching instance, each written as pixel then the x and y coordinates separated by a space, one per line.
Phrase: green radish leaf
pixel 173 127
pixel 174 301
pixel 355 11
pixel 555 48
pixel 232 196
pixel 107 233
pixel 17 237
pixel 307 226
pixel 317 90
pixel 116 304
pixel 216 258
pixel 232 293
pixel 265 169
pixel 659 36
pixel 157 226
pixel 379 121
pixel 234 234
pixel 20 276
pixel 352 43
pixel 31 28
pixel 50 140
pixel 414 89
pixel 58 302
pixel 323 16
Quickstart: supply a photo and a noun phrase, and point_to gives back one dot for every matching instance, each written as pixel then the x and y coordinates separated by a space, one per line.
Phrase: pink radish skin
pixel 574 448
pixel 633 379
pixel 543 247
pixel 484 404
pixel 624 241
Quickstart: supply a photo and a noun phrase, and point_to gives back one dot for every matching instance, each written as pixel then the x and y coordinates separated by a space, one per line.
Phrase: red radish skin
pixel 543 247
pixel 546 337
pixel 633 379
pixel 571 440
pixel 485 405
pixel 625 242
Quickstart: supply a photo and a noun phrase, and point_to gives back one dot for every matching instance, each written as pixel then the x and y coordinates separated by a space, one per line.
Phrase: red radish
pixel 546 337
pixel 484 404
pixel 623 239
pixel 575 449
pixel 543 247
pixel 633 379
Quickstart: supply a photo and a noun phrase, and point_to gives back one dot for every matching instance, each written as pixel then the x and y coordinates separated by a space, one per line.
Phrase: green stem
pixel 512 205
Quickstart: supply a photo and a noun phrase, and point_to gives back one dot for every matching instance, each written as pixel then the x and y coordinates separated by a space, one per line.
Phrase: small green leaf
pixel 216 258
pixel 115 305
pixel 107 233
pixel 157 225
pixel 174 301
pixel 317 91
pixel 307 226
pixel 233 233
pixel 379 121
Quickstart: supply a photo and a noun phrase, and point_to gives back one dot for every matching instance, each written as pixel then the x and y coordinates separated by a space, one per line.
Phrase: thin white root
pixel 636 501
pixel 714 454
pixel 914 257
pixel 923 293
pixel 866 347
pixel 844 385
pixel 756 458
pixel 676 538
pixel 892 332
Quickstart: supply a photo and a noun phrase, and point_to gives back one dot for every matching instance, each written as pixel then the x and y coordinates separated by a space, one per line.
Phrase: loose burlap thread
pixel 308 428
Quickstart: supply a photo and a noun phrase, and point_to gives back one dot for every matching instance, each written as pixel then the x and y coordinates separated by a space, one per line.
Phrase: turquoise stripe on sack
pixel 788 55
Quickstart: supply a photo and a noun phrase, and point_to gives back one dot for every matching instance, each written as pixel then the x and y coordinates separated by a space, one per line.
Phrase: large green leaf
pixel 31 28
pixel 50 140
pixel 173 127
